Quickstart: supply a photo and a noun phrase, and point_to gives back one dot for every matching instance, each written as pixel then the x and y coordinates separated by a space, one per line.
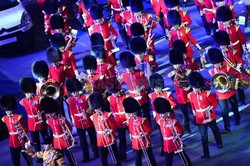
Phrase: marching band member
pixel 103 27
pixel 126 14
pixel 50 8
pixel 78 107
pixel 61 129
pixel 136 82
pixel 83 10
pixel 159 8
pixel 139 130
pixel 17 130
pixel 179 77
pixel 171 131
pixel 57 25
pixel 216 58
pixel 36 118
pixel 203 105
pixel 105 126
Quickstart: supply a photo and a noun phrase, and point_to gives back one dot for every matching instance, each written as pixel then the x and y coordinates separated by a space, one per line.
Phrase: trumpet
pixel 50 89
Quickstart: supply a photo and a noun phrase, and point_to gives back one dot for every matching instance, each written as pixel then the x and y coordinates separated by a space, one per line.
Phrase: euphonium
pixel 50 89
pixel 223 83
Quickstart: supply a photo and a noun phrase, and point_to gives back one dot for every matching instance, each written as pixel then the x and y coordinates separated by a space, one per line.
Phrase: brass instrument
pixel 22 135
pixel 203 61
pixel 50 89
pixel 224 83
pixel 181 80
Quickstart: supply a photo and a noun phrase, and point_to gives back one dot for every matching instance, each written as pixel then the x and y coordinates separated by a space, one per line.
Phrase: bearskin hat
pixel 138 45
pixel 57 40
pixel 161 105
pixel 125 3
pixel 40 69
pixel 89 62
pixel 63 2
pixel 96 11
pixel 176 57
pixel 96 39
pixel 215 55
pixel 224 14
pixel 131 105
pixel 113 85
pixel 96 101
pixel 196 80
pixel 73 85
pixel 47 140
pixel 27 85
pixel 98 52
pixel 221 38
pixel 136 5
pixel 156 80
pixel 49 105
pixel 171 3
pixel 53 55
pixel 8 102
pixel 50 7
pixel 174 18
pixel 180 45
pixel 56 22
pixel 88 3
pixel 127 59
pixel 137 29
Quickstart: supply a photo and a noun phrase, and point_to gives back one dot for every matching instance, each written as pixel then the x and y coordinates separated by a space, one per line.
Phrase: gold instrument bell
pixel 223 83
pixel 50 89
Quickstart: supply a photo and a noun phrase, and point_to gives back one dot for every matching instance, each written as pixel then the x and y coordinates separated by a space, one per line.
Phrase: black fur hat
pixel 174 18
pixel 215 55
pixel 196 80
pixel 96 39
pixel 49 105
pixel 131 105
pixel 113 85
pixel 53 55
pixel 138 45
pixel 161 105
pixel 50 6
pixel 8 102
pixel 96 11
pixel 56 22
pixel 221 38
pixel 224 14
pixel 98 52
pixel 171 3
pixel 96 101
pixel 89 62
pixel 73 85
pixel 180 45
pixel 137 29
pixel 40 69
pixel 125 3
pixel 27 85
pixel 156 80
pixel 127 59
pixel 88 3
pixel 57 40
pixel 136 5
pixel 175 57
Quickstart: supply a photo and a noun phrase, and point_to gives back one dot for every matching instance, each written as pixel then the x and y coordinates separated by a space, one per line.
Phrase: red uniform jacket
pixel 104 122
pixel 36 121
pixel 224 70
pixel 203 105
pixel 233 56
pixel 77 107
pixel 64 12
pixel 46 19
pixel 185 19
pixel 105 69
pixel 107 31
pixel 170 128
pixel 110 58
pixel 117 109
pixel 88 20
pixel 138 127
pixel 159 7
pixel 69 62
pixel 148 59
pixel 126 15
pixel 116 6
pixel 11 122
pixel 59 129
pixel 209 9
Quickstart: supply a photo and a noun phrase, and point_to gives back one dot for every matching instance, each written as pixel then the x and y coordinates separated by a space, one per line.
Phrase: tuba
pixel 224 83
pixel 50 89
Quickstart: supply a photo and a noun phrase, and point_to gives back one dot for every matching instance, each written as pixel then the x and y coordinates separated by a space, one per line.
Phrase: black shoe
pixel 219 146
pixel 39 160
pixel 226 131
pixel 205 156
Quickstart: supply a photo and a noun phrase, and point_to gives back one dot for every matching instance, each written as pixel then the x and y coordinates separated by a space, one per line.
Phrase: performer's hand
pixel 27 145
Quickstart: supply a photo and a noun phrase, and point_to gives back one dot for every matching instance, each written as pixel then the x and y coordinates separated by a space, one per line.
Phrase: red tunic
pixel 126 15
pixel 110 58
pixel 148 59
pixel 105 69
pixel 185 18
pixel 59 127
pixel 36 122
pixel 88 20
pixel 11 122
pixel 203 105
pixel 233 57
pixel 78 107
pixel 210 10
pixel 69 62
pixel 57 73
pixel 116 6
pixel 104 122
pixel 159 7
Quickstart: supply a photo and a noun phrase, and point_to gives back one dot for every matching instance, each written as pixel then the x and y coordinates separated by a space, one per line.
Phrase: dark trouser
pixel 69 155
pixel 103 151
pixel 146 111
pixel 225 112
pixel 213 26
pixel 36 139
pixel 204 135
pixel 162 24
pixel 84 143
pixel 246 14
pixel 205 23
pixel 139 153
pixel 184 157
pixel 123 143
pixel 15 156
pixel 241 95
pixel 123 34
pixel 184 110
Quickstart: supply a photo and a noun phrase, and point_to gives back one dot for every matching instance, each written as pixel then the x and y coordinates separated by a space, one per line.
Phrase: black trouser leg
pixel 70 157
pixel 162 24
pixel 15 156
pixel 103 151
pixel 27 159
pixel 35 139
pixel 234 103
pixel 138 154
pixel 146 111
pixel 123 34
pixel 116 153
pixel 151 156
pixel 185 159
pixel 184 110
pixel 224 110
pixel 204 138
pixel 169 158
pixel 217 136
pixel 83 143
pixel 93 141
pixel 123 143
pixel 241 95
pixel 213 26
pixel 44 133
